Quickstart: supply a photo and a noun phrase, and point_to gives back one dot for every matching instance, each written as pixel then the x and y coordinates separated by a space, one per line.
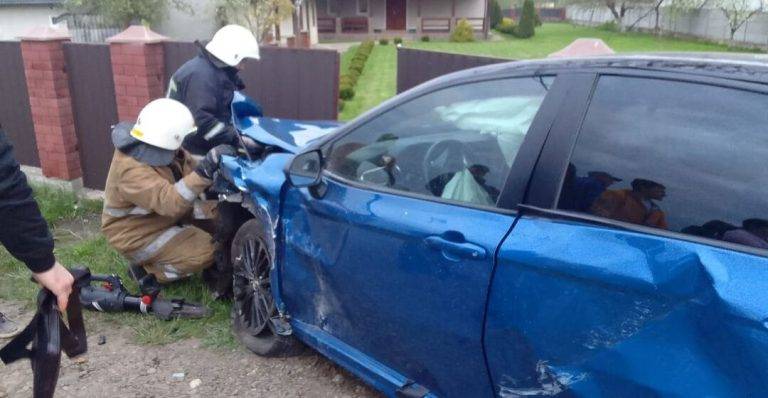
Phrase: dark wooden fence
pixel 289 83
pixel 15 114
pixel 94 108
pixel 418 66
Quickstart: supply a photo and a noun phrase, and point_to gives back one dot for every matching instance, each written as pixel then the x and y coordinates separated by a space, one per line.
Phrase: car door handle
pixel 455 250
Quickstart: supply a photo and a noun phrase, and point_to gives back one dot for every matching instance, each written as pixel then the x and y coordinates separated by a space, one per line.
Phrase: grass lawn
pixel 377 83
pixel 62 211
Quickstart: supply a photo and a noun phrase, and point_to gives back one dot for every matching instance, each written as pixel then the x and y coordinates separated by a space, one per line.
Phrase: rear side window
pixel 684 157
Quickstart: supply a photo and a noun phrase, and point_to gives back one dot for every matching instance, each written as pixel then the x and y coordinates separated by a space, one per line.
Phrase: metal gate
pixel 15 112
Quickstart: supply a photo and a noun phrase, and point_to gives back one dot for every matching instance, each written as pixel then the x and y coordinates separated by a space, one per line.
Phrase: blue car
pixel 583 227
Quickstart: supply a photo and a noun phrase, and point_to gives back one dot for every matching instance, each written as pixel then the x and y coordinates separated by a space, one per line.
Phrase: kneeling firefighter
pixel 152 191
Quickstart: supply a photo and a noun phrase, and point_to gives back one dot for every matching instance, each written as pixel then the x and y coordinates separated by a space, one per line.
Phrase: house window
pixel 362 7
pixel 333 7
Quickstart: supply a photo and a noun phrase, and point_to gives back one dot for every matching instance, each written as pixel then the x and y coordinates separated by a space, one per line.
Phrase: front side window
pixel 684 157
pixel 456 144
pixel 333 7
pixel 362 7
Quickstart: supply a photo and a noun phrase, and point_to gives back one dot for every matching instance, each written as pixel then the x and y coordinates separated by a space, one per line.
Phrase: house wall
pixel 378 10
pixel 15 21
pixel 470 8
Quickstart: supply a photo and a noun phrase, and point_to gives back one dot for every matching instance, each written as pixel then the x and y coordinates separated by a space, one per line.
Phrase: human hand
pixel 59 281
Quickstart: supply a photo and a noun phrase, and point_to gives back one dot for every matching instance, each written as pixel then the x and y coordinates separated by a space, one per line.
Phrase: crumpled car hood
pixel 287 134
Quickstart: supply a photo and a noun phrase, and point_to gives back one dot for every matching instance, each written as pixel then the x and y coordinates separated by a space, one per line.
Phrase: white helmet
pixel 164 123
pixel 233 43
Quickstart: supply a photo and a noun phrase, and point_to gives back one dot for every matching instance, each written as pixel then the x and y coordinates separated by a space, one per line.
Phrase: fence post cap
pixel 46 33
pixel 583 48
pixel 138 34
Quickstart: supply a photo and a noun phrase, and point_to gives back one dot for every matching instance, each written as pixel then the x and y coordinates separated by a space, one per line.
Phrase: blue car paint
pixel 604 312
pixel 572 309
pixel 364 268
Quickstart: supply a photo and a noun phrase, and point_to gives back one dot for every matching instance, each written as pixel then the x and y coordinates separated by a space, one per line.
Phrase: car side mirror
pixel 305 169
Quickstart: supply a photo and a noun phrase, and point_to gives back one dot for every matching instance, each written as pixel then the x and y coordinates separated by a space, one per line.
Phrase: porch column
pixel 419 24
pixel 453 15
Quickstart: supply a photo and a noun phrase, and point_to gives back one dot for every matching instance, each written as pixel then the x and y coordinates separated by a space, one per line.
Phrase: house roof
pixel 30 2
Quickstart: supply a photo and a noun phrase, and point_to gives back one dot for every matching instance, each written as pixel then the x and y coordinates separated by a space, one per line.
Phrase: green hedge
pixel 463 32
pixel 348 80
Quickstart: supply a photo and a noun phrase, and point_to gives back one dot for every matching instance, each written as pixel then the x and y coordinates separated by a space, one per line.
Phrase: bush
pixel 383 42
pixel 463 32
pixel 398 40
pixel 496 14
pixel 341 105
pixel 507 26
pixel 348 81
pixel 610 26
pixel 537 21
pixel 526 28
pixel 346 92
pixel 425 38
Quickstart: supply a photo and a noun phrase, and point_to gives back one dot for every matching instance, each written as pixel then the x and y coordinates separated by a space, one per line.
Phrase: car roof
pixel 736 66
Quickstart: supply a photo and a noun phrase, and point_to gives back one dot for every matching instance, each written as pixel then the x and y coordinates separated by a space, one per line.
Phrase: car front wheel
pixel 253 305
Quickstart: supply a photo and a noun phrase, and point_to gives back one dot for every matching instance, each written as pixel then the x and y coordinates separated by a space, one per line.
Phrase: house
pixel 360 19
pixel 299 30
pixel 18 16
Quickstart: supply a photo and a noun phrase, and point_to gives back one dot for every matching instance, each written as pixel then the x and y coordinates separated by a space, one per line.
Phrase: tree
pixel 126 12
pixel 739 12
pixel 495 14
pixel 527 24
pixel 619 9
pixel 260 16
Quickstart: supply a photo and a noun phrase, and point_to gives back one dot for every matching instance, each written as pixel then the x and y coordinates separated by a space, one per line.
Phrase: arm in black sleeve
pixel 203 98
pixel 24 232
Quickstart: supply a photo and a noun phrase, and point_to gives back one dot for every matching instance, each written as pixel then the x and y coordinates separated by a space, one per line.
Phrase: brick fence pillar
pixel 138 69
pixel 42 49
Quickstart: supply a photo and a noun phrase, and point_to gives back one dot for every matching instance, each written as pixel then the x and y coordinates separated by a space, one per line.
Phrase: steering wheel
pixel 454 159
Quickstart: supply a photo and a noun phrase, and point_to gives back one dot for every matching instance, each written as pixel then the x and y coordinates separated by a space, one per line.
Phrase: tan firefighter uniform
pixel 143 216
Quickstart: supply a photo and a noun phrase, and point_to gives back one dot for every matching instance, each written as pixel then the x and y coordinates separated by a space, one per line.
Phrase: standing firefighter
pixel 152 190
pixel 206 85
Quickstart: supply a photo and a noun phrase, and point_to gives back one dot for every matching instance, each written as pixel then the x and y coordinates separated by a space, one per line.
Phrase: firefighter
pixel 152 190
pixel 206 85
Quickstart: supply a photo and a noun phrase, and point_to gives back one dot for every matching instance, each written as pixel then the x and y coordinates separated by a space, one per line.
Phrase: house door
pixel 396 14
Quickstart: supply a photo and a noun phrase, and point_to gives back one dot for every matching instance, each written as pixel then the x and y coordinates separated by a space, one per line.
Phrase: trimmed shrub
pixel 348 81
pixel 424 38
pixel 526 27
pixel 496 14
pixel 463 32
pixel 383 42
pixel 507 26
pixel 398 40
pixel 346 92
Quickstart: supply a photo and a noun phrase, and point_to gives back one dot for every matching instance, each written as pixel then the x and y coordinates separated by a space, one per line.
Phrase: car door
pixel 393 253
pixel 639 268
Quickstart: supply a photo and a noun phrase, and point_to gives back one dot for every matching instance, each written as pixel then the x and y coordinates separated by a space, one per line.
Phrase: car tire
pixel 253 303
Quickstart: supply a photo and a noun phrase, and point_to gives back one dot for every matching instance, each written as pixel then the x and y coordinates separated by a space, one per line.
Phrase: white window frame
pixel 328 7
pixel 367 7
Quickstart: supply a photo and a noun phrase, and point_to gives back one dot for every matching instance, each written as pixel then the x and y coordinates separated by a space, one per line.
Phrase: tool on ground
pixel 113 296
pixel 49 335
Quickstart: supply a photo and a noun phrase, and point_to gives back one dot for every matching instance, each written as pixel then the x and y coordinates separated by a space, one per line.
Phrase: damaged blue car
pixel 583 227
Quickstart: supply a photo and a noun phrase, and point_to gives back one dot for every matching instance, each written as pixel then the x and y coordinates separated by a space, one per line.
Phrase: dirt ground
pixel 121 368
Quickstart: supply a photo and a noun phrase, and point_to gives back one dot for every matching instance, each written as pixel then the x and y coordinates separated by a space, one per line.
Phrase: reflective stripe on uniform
pixel 141 256
pixel 214 131
pixel 183 190
pixel 131 211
